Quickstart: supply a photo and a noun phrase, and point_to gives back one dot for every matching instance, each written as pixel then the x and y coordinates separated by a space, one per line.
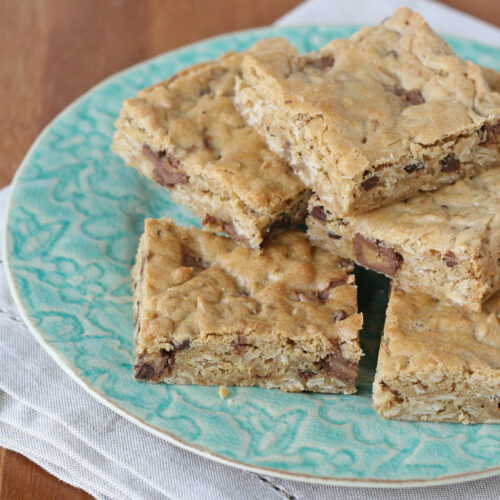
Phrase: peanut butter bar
pixel 186 135
pixel 438 362
pixel 209 311
pixel 373 119
pixel 445 243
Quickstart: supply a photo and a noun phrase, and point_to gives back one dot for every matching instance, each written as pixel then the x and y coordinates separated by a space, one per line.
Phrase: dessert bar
pixel 445 243
pixel 373 119
pixel 438 362
pixel 209 311
pixel 186 135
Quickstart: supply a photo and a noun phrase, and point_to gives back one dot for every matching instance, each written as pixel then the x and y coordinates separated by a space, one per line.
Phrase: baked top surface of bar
pixel 195 284
pixel 375 118
pixel 386 88
pixel 423 334
pixel 190 120
pixel 439 362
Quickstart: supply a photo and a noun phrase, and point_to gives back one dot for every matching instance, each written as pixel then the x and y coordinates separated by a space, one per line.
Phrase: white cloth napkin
pixel 49 418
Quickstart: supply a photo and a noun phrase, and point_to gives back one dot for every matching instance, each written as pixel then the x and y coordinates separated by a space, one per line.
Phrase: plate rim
pixel 161 433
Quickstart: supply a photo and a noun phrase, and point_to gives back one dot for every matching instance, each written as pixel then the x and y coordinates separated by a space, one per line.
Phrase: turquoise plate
pixel 75 217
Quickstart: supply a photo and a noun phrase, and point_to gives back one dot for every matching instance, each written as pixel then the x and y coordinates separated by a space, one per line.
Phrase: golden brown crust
pixel 375 118
pixel 199 289
pixel 439 362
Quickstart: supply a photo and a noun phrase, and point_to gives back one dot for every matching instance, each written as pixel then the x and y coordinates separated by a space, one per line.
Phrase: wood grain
pixel 51 51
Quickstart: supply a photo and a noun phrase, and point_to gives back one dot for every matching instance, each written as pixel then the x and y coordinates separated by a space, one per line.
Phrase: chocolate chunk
pixel 449 164
pixel 413 167
pixel 345 263
pixel 318 213
pixel 305 374
pixel 324 63
pixel 336 365
pixel 288 101
pixel 230 230
pixel 210 220
pixel 319 63
pixel 450 259
pixel 207 140
pixel 240 345
pixel 410 97
pixel 167 171
pixel 143 371
pixel 151 366
pixel 489 133
pixel 334 236
pixel 339 315
pixel 226 227
pixel 325 293
pixel 370 183
pixel 374 255
pixel 183 345
pixel 192 259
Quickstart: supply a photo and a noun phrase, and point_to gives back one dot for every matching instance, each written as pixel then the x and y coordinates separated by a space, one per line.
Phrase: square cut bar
pixel 186 135
pixel 445 243
pixel 209 311
pixel 373 119
pixel 438 362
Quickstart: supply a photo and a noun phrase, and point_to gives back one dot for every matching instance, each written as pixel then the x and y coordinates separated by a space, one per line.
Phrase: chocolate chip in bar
pixel 325 293
pixel 339 315
pixel 489 133
pixel 373 255
pixel 340 367
pixel 334 236
pixel 450 259
pixel 240 345
pixel 318 213
pixel 210 220
pixel 229 229
pixel 167 171
pixel 413 167
pixel 410 97
pixel 151 366
pixel 449 164
pixel 319 63
pixel 305 374
pixel 226 227
pixel 370 183
pixel 192 259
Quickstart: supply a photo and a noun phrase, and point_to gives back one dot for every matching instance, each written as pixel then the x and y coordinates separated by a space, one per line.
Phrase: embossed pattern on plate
pixel 75 217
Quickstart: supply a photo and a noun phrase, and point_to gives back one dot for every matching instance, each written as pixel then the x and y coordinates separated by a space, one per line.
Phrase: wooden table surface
pixel 51 51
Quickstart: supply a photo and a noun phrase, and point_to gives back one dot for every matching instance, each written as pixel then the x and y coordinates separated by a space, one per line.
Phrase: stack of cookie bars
pixel 390 145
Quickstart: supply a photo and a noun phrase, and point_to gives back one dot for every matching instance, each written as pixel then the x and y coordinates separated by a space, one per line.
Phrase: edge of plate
pixel 53 353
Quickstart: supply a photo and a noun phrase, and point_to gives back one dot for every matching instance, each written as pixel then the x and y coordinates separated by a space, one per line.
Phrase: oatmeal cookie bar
pixel 186 135
pixel 373 119
pixel 439 362
pixel 445 243
pixel 209 311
